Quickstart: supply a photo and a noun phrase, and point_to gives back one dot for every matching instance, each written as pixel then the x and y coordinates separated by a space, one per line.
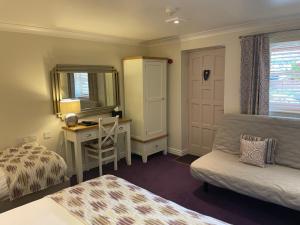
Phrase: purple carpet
pixel 165 176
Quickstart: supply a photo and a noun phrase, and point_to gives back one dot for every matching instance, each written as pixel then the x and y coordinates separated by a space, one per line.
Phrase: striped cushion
pixel 253 152
pixel 271 146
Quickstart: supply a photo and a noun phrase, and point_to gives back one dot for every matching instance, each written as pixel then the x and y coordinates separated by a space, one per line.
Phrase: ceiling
pixel 140 19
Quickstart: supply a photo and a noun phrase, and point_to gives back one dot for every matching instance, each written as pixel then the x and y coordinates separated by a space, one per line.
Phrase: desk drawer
pixel 156 145
pixel 93 134
pixel 88 135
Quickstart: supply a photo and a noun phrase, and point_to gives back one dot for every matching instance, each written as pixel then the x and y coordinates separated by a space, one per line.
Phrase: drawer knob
pixel 121 128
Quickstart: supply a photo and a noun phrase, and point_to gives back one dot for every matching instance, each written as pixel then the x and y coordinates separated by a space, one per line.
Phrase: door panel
pixel 155 124
pixel 207 118
pixel 206 98
pixel 207 138
pixel 219 66
pixel 195 82
pixel 155 98
pixel 195 88
pixel 206 94
pixel 196 135
pixel 219 90
pixel 154 76
pixel 195 111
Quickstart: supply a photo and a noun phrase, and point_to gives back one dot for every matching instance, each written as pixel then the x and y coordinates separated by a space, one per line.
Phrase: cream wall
pixel 25 61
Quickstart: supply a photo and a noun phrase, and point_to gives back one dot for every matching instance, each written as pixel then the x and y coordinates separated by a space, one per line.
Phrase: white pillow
pixel 270 148
pixel 253 152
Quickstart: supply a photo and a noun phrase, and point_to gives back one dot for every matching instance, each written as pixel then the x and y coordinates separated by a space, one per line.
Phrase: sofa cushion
pixel 285 130
pixel 280 184
pixel 271 146
pixel 253 152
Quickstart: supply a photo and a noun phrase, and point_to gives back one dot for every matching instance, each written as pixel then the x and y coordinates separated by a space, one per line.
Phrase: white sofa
pixel 279 183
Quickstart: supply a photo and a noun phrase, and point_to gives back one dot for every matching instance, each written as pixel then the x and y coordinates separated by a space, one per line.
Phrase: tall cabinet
pixel 145 87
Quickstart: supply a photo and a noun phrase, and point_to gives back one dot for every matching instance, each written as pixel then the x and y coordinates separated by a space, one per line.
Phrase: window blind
pixel 285 77
pixel 81 81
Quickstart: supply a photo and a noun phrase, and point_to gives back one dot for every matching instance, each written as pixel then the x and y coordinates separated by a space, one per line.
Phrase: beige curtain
pixel 255 74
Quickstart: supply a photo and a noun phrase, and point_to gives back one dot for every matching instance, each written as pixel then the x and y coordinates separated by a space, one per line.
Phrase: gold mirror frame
pixel 56 88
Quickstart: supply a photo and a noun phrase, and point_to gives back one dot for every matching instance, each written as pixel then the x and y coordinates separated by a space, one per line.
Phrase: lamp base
pixel 71 120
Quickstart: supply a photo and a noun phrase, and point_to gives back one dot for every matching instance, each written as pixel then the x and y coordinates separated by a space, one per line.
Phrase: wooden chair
pixel 107 143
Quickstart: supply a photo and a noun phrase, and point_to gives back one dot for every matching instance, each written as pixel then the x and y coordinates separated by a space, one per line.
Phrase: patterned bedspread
pixel 109 200
pixel 30 168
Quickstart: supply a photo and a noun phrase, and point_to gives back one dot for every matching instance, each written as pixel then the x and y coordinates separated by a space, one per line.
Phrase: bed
pixel 27 170
pixel 107 200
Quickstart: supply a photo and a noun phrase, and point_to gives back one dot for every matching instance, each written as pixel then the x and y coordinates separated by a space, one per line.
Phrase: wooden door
pixel 155 97
pixel 206 98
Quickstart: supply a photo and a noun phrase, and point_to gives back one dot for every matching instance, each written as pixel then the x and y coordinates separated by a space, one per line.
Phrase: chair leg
pixel 86 159
pixel 100 164
pixel 115 159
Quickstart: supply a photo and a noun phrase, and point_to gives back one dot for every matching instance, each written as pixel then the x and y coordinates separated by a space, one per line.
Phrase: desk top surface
pixel 82 127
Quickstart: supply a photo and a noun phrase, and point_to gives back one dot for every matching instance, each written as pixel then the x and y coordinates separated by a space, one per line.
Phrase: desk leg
pixel 78 161
pixel 68 154
pixel 128 146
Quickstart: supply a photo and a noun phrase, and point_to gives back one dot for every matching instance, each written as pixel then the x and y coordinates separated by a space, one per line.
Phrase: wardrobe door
pixel 155 98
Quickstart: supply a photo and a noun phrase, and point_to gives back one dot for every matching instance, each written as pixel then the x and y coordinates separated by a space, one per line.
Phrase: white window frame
pixel 283 110
pixel 81 87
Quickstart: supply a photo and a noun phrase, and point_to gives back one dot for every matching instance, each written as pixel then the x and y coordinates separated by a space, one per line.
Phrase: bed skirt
pixel 8 205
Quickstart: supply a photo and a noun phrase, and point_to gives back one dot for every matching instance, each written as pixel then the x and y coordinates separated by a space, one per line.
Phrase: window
pixel 285 77
pixel 81 81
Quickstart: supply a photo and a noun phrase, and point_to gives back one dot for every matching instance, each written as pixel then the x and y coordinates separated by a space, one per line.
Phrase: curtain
pixel 93 87
pixel 255 74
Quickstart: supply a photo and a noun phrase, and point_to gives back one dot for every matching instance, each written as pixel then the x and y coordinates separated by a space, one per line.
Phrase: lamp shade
pixel 70 106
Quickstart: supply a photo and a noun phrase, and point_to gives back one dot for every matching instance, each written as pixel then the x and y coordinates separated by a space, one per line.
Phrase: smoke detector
pixel 175 20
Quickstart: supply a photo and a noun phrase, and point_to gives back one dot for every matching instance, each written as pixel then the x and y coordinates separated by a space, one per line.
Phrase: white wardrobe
pixel 145 87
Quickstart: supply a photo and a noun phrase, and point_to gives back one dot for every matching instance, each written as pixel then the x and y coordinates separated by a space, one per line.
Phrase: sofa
pixel 278 183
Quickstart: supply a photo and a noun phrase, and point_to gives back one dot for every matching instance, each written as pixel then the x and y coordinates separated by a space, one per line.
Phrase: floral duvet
pixel 109 200
pixel 29 169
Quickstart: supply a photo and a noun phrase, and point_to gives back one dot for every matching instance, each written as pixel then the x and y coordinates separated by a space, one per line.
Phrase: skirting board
pixel 7 205
pixel 178 152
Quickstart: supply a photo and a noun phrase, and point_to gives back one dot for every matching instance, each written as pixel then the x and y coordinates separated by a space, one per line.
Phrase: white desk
pixel 80 134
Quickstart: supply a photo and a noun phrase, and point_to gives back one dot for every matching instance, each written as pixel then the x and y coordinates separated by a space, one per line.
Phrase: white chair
pixel 107 143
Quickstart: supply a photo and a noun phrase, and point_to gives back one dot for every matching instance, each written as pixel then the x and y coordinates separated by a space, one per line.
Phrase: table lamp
pixel 68 109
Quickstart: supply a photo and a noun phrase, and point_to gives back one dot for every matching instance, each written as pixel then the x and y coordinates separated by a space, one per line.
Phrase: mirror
pixel 96 87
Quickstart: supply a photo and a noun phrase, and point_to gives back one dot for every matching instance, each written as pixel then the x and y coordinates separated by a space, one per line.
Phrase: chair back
pixel 108 128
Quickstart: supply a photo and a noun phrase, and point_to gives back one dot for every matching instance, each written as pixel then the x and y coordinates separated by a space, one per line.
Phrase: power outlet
pixel 29 139
pixel 47 135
